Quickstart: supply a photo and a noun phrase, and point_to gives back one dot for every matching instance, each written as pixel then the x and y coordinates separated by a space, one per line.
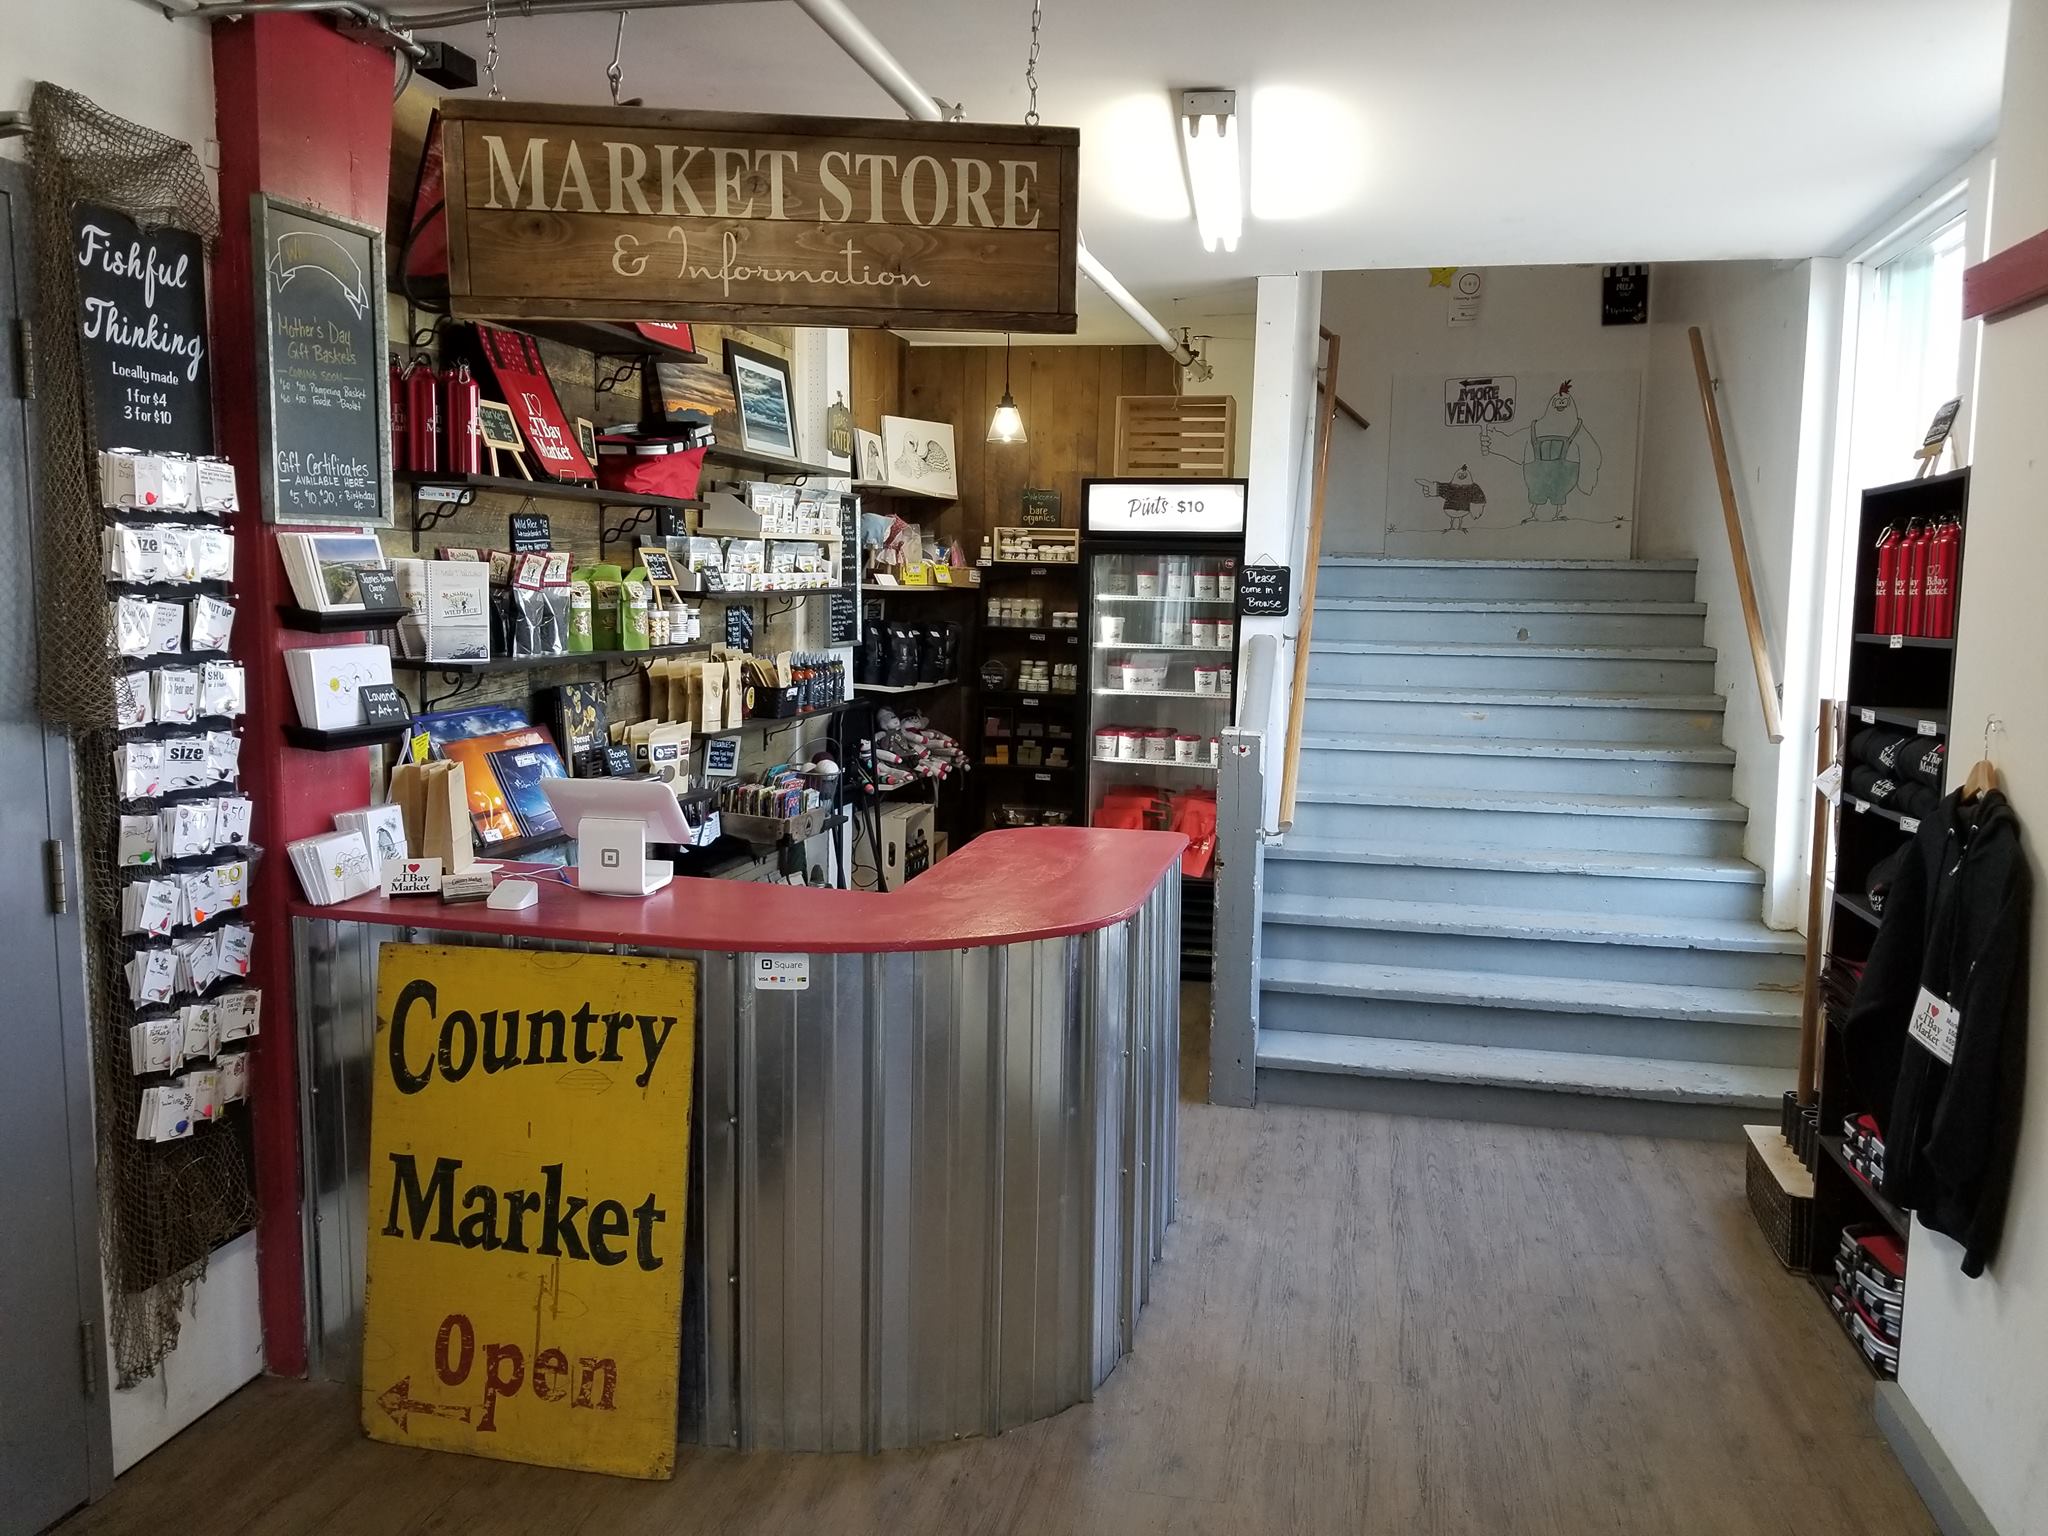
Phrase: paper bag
pixel 409 794
pixel 447 834
pixel 735 690
pixel 711 704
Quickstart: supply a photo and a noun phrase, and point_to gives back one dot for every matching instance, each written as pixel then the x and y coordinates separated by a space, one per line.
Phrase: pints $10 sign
pixel 529 1143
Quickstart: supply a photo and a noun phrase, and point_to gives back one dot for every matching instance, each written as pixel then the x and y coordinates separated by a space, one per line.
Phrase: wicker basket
pixel 1780 1193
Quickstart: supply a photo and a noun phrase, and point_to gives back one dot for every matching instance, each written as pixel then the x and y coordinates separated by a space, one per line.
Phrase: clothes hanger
pixel 1983 776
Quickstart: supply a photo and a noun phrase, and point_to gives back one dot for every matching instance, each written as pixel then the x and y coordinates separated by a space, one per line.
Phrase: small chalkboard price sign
pixel 739 627
pixel 323 385
pixel 142 333
pixel 1264 591
pixel 842 617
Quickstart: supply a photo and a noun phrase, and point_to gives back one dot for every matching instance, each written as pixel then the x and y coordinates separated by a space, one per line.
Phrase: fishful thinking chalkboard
pixel 142 333
pixel 323 393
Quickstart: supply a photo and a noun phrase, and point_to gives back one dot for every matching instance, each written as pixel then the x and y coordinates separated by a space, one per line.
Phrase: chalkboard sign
pixel 142 333
pixel 1264 591
pixel 739 627
pixel 1040 509
pixel 843 618
pixel 530 533
pixel 1625 296
pixel 322 399
pixel 722 757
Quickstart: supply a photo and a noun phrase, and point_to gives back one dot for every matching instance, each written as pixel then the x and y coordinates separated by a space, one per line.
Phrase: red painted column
pixel 305 115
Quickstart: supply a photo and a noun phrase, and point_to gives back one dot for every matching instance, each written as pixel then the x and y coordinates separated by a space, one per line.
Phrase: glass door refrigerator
pixel 1160 561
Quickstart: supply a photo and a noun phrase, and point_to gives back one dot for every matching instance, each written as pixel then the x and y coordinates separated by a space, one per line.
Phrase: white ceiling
pixel 1383 135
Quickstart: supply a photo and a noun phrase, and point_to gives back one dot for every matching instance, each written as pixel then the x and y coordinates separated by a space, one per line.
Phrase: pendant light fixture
pixel 1007 425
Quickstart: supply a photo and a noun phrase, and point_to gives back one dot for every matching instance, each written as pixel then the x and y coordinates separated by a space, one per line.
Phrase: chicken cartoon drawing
pixel 1556 452
pixel 1461 496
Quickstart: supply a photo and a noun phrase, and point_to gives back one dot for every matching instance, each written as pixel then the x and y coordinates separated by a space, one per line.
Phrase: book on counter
pixel 528 755
pixel 325 680
pixel 580 727
pixel 325 569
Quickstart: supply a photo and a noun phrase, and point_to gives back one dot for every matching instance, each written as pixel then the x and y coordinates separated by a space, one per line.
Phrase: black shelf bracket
pixel 459 684
pixel 612 679
pixel 433 506
pixel 621 371
pixel 642 517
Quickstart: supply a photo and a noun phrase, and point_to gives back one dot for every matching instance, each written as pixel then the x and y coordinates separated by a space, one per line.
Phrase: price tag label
pixel 1935 1024
pixel 1029 703
pixel 782 973
pixel 618 762
pixel 1898 643
pixel 1925 728
pixel 1868 716
pixel 1910 823
pixel 1861 805
pixel 1043 778
pixel 383 704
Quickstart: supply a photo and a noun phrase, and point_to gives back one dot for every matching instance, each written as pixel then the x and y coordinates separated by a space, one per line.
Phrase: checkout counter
pixel 926 1190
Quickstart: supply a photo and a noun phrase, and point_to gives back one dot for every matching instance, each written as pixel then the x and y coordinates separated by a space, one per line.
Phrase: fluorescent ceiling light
pixel 1208 123
pixel 1307 153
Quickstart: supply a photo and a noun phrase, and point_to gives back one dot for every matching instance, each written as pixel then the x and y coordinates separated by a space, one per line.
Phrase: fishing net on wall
pixel 163 1206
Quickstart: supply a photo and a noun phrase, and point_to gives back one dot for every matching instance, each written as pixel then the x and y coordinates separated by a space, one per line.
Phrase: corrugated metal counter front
pixel 925 1193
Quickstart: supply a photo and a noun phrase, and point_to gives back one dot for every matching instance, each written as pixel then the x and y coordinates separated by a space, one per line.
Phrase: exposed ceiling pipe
pixel 838 22
pixel 866 50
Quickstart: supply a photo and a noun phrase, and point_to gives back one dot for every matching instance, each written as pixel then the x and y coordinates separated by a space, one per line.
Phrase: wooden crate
pixel 1176 437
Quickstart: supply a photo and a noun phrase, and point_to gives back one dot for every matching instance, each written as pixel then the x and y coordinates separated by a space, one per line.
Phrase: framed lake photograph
pixel 761 381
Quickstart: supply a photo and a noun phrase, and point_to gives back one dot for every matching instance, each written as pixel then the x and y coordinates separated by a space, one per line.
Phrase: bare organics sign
pixel 629 213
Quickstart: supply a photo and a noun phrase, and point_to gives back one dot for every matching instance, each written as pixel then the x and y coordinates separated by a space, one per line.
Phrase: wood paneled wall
pixel 1068 399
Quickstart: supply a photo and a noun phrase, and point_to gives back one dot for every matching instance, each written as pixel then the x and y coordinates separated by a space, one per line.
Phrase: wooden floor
pixel 1363 1324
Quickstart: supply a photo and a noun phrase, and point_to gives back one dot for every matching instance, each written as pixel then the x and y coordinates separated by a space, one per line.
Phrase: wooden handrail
pixel 1348 409
pixel 1812 1016
pixel 1312 557
pixel 1738 547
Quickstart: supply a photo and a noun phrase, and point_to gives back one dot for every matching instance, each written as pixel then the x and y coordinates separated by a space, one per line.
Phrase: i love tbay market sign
pixel 629 213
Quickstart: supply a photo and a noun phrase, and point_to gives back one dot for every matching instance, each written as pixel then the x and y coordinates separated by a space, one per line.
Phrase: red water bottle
pixel 463 434
pixel 1897 626
pixel 423 417
pixel 399 446
pixel 1887 568
pixel 1915 562
pixel 1942 563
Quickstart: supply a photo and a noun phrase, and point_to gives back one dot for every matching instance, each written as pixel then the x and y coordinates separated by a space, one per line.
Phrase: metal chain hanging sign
pixel 633 213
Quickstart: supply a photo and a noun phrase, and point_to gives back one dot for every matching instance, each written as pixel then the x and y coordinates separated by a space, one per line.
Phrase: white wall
pixel 1393 323
pixel 220 1348
pixel 125 56
pixel 1975 1362
pixel 1772 335
pixel 1282 415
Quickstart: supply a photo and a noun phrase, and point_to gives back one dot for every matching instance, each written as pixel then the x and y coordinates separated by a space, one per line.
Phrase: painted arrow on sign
pixel 397 1400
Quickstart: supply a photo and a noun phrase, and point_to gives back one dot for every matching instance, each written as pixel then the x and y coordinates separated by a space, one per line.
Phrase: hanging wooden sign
pixel 634 213
pixel 529 1144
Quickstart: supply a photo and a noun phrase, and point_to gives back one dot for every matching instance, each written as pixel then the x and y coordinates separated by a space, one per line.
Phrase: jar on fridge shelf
pixel 1226 583
pixel 1158 746
pixel 1205 580
pixel 1148 581
pixel 1186 748
pixel 1130 744
pixel 1109 629
pixel 1205 679
pixel 1215 752
pixel 1106 742
pixel 1225 680
pixel 1226 634
pixel 1173 631
pixel 1174 570
pixel 1203 634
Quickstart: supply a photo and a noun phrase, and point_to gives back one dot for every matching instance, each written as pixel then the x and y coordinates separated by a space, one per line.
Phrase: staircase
pixel 1513 889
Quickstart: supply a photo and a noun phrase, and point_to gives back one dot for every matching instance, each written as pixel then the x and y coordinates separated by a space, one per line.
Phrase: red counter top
pixel 1002 888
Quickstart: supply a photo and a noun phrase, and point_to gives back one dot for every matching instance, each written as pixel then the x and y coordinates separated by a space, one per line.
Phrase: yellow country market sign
pixel 632 213
pixel 529 1145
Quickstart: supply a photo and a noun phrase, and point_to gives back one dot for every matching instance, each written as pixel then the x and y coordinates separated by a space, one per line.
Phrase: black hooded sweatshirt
pixel 1955 924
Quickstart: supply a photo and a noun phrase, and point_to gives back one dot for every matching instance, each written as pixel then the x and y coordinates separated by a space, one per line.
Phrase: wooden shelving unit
pixel 1905 684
